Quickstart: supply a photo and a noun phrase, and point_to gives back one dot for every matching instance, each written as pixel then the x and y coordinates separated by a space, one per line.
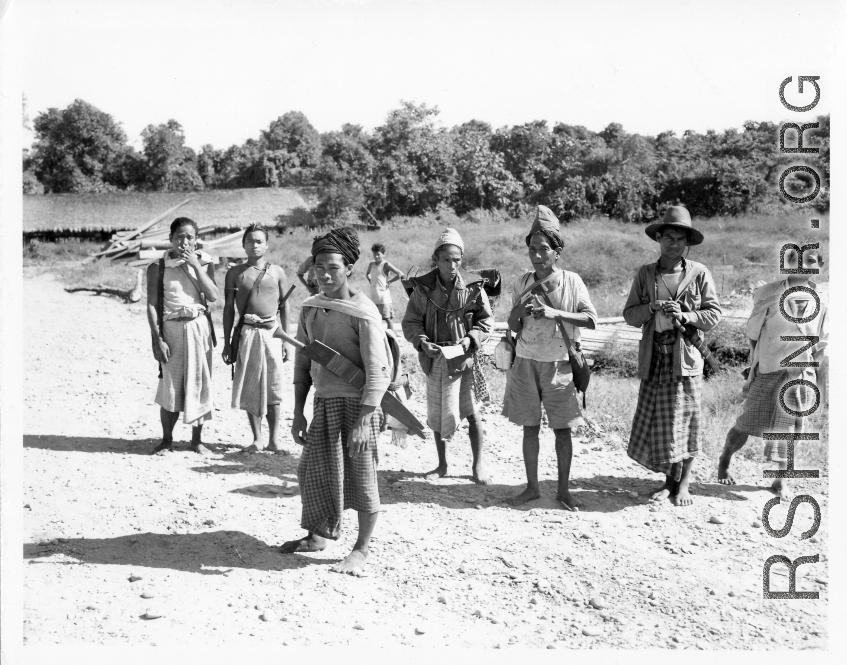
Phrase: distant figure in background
pixel 765 329
pixel 546 300
pixel 180 288
pixel 257 288
pixel 665 296
pixel 444 313
pixel 379 275
pixel 306 274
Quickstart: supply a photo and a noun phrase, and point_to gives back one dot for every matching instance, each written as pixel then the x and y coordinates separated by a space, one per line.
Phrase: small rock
pixel 396 485
pixel 495 619
pixel 756 524
pixel 477 613
pixel 420 630
pixel 533 601
pixel 550 646
pixel 654 508
pixel 632 495
pixel 134 577
pixel 731 594
pixel 700 644
pixel 54 541
pixel 598 603
pixel 64 540
pixel 26 505
pixel 252 490
pixel 592 631
pixel 821 580
pixel 442 599
pixel 478 507
pixel 463 570
pixel 712 592
pixel 717 519
pixel 147 595
pixel 288 491
pixel 605 614
pixel 152 614
pixel 358 626
pixel 814 539
pixel 653 595
pixel 268 615
pixel 443 491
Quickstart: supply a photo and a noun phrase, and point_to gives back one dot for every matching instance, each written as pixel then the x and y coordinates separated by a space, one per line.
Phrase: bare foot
pixel 724 477
pixel 529 494
pixel 438 472
pixel 311 543
pixel 569 501
pixel 252 448
pixel 682 497
pixel 353 564
pixel 664 491
pixel 199 448
pixel 782 489
pixel 480 476
pixel 274 448
pixel 164 447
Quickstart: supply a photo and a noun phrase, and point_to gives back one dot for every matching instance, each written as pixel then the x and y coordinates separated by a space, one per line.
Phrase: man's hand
pixel 189 257
pixel 287 353
pixel 227 352
pixel 161 351
pixel 466 344
pixel 360 436
pixel 430 349
pixel 672 309
pixel 540 310
pixel 299 427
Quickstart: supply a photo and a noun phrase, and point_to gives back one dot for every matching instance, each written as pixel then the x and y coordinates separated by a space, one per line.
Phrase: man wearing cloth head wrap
pixel 338 466
pixel 541 373
pixel 447 321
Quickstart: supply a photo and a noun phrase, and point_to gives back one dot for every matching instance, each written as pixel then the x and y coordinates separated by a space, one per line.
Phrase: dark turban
pixel 342 241
pixel 547 224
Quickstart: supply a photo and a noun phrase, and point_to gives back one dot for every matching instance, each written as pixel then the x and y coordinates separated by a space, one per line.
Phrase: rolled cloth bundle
pixel 344 241
pixel 545 222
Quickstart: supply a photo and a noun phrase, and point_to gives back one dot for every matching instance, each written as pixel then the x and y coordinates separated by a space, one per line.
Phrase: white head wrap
pixel 449 237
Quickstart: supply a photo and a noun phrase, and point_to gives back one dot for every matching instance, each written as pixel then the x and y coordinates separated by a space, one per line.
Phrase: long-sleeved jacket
pixel 697 297
pixel 472 318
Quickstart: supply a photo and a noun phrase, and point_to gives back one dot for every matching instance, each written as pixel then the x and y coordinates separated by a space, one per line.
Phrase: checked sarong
pixel 666 425
pixel 330 480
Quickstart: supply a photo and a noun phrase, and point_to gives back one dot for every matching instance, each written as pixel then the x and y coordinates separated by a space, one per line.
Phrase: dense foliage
pixel 410 165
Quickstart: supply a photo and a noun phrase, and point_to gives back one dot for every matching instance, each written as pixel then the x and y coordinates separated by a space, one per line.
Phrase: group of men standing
pixel 673 301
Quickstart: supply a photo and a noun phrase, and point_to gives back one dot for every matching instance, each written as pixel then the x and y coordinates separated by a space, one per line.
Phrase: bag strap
pixel 253 291
pixel 160 293
pixel 537 283
pixel 568 343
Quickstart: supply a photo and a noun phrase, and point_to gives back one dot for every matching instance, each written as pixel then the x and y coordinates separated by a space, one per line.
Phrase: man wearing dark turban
pixel 338 466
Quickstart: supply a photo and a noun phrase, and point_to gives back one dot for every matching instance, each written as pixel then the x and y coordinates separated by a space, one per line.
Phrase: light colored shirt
pixel 541 339
pixel 767 325
pixel 379 291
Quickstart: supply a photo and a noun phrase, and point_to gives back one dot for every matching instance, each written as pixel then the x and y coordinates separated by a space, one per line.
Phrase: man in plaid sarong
pixel 257 380
pixel 665 296
pixel 338 466
pixel 767 375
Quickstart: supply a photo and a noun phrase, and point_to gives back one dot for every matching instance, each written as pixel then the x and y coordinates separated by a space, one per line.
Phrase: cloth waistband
pixel 185 313
pixel 664 349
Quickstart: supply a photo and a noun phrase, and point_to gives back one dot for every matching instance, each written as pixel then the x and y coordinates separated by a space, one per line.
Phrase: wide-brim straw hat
pixel 679 218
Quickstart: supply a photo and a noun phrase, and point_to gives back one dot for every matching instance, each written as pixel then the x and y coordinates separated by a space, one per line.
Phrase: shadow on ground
pixel 201 553
pixel 94 444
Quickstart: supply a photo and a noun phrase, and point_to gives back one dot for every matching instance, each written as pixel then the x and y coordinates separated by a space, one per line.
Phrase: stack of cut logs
pixel 146 243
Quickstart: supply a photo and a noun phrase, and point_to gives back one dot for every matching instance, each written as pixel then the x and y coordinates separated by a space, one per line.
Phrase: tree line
pixel 411 164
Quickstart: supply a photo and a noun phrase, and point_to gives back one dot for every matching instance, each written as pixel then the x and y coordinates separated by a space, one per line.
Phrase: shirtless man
pixel 379 274
pixel 257 380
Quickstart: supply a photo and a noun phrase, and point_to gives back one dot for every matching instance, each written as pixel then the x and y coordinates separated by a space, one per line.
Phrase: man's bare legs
pixel 476 434
pixel 196 441
pixel 355 562
pixel 256 428
pixel 681 497
pixel 310 543
pixel 274 446
pixel 564 455
pixel 666 490
pixel 530 462
pixel 735 441
pixel 169 420
pixel 441 470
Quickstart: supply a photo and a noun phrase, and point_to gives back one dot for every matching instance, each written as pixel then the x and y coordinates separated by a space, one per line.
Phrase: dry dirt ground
pixel 451 563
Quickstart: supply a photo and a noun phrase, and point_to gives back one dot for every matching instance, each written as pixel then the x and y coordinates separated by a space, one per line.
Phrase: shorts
pixel 531 383
pixel 386 310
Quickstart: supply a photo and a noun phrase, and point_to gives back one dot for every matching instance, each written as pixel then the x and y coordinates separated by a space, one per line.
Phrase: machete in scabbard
pixel 355 376
pixel 699 344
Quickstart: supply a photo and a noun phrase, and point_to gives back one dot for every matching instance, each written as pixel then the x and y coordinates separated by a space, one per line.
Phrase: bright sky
pixel 225 68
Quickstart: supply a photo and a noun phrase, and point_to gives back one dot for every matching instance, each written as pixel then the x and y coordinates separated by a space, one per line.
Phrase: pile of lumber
pixel 146 243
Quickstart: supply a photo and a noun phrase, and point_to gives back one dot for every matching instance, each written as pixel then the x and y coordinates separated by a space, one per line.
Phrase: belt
pixel 664 349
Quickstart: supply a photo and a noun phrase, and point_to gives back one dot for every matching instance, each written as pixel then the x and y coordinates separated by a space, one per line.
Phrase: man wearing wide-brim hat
pixel 669 297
